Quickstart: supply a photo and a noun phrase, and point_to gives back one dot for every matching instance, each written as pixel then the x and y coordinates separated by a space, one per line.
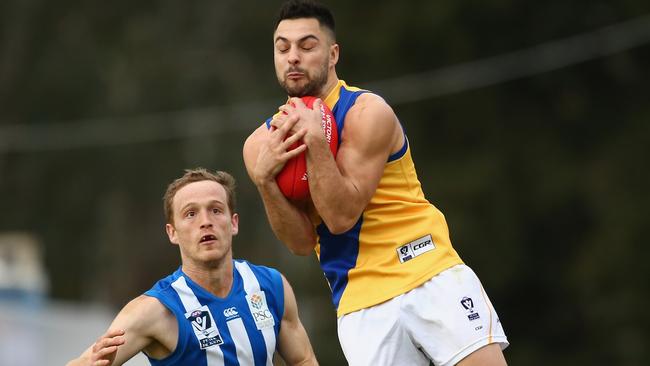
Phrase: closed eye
pixel 282 46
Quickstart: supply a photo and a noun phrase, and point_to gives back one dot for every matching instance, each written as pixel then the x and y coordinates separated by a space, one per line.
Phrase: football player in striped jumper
pixel 402 293
pixel 214 310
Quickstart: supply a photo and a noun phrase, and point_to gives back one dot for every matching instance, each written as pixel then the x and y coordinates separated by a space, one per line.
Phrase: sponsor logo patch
pixel 417 247
pixel 468 304
pixel 260 310
pixel 231 313
pixel 204 326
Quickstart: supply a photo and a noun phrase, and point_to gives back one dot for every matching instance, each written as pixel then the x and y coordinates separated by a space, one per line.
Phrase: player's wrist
pixel 314 138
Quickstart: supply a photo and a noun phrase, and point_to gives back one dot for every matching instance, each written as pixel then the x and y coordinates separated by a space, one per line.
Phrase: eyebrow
pixel 209 203
pixel 309 36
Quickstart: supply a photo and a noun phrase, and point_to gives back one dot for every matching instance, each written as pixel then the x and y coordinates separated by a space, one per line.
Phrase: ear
pixel 171 233
pixel 334 54
pixel 234 221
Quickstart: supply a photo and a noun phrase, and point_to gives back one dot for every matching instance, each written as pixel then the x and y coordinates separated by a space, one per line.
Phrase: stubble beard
pixel 314 84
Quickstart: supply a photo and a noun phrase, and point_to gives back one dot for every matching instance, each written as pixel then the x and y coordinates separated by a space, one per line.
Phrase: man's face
pixel 203 224
pixel 303 54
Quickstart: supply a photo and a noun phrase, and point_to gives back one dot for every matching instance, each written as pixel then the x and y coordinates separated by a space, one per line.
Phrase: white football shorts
pixel 441 321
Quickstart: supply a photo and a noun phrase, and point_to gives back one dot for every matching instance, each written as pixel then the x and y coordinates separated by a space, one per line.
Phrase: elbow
pixel 301 251
pixel 301 247
pixel 340 225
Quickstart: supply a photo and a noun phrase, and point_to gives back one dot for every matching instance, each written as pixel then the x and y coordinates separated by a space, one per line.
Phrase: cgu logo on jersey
pixel 260 310
pixel 411 250
pixel 204 326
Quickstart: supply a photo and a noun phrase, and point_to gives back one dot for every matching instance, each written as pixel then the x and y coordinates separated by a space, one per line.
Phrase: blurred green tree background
pixel 538 158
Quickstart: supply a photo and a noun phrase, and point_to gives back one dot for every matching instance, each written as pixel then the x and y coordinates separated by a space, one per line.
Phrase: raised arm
pixel 293 345
pixel 265 153
pixel 341 189
pixel 144 324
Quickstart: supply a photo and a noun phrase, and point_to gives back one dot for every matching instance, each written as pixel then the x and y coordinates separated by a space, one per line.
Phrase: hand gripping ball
pixel 292 179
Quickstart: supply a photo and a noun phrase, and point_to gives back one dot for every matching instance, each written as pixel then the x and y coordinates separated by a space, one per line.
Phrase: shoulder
pixel 372 124
pixel 269 279
pixel 369 104
pixel 253 141
pixel 145 317
pixel 261 272
pixel 146 308
pixel 256 136
pixel 371 114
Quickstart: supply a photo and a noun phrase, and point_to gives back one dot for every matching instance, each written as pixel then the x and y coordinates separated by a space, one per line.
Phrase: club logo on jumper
pixel 417 247
pixel 204 326
pixel 260 310
pixel 231 313
pixel 468 304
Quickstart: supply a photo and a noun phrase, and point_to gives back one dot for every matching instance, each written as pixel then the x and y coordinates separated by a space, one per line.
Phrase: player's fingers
pixel 290 140
pixel 104 342
pixel 278 120
pixel 290 154
pixel 295 101
pixel 286 109
pixel 103 353
pixel 113 333
pixel 290 122
pixel 292 106
pixel 282 131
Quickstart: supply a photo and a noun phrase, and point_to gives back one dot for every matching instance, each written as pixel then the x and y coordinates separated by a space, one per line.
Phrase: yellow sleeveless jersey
pixel 400 241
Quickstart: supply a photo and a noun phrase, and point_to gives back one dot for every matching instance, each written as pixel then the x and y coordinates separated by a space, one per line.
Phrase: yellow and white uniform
pixel 400 241
pixel 403 295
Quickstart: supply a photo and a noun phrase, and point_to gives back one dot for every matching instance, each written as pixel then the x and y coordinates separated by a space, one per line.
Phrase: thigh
pixel 375 337
pixel 490 355
pixel 450 316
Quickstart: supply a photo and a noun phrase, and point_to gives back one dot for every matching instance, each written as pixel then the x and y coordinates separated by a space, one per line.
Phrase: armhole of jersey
pixel 281 299
pixel 346 101
pixel 181 342
pixel 398 154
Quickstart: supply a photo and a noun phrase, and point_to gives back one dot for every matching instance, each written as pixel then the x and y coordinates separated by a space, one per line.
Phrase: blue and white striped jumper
pixel 238 330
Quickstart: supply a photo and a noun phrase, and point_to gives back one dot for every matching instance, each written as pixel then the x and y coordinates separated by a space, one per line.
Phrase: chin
pixel 216 254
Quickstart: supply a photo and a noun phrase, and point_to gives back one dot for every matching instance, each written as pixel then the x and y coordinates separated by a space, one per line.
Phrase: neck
pixel 332 80
pixel 216 278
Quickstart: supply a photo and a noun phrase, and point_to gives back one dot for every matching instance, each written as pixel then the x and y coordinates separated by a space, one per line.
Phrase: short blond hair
pixel 226 180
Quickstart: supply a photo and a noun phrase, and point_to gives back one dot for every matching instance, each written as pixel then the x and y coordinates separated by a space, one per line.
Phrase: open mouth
pixel 208 237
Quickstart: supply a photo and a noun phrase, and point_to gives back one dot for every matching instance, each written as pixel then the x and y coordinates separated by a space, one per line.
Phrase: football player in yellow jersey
pixel 403 295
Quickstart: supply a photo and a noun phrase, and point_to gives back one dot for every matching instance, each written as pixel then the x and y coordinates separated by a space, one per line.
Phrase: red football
pixel 292 179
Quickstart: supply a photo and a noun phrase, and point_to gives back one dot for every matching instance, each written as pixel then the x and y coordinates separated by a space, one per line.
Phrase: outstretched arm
pixel 294 346
pixel 265 153
pixel 137 327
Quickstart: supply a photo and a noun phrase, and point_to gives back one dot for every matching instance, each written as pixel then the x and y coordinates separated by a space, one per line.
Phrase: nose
pixel 205 220
pixel 294 57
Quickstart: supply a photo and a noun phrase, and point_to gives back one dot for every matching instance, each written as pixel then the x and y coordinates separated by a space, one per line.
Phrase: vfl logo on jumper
pixel 231 313
pixel 205 329
pixel 411 250
pixel 260 310
pixel 468 304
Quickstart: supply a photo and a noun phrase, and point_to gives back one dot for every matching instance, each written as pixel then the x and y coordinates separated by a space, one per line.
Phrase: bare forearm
pixel 336 198
pixel 289 224
pixel 294 346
